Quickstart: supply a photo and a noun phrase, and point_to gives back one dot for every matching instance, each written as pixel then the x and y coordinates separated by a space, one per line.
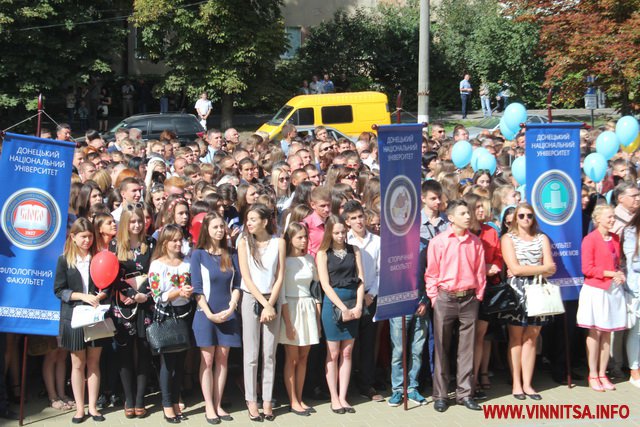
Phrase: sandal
pixel 594 383
pixel 606 383
pixel 68 401
pixel 58 404
pixel 487 384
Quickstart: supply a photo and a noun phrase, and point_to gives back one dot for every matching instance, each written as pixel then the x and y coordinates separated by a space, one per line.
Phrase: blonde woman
pixel 601 306
pixel 132 307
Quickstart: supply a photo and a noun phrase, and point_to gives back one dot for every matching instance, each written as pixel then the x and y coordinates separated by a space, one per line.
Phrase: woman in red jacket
pixel 601 307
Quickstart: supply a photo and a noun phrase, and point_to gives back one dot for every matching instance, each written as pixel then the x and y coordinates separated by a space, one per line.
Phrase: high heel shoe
pixel 594 383
pixel 257 418
pixel 172 420
pixel 606 383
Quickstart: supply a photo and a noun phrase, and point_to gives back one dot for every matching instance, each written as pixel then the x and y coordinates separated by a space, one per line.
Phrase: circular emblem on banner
pixel 554 197
pixel 30 218
pixel 400 205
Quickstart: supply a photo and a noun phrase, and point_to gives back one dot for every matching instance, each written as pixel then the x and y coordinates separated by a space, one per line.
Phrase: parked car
pixel 493 123
pixel 186 126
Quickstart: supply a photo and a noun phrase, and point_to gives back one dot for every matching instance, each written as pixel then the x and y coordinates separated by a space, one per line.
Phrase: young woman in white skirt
pixel 300 328
pixel 601 308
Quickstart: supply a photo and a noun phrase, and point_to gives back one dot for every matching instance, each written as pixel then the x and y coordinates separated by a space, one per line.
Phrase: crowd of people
pixel 256 243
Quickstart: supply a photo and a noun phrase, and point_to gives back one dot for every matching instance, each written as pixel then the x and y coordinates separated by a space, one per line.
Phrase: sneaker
pixel 396 399
pixel 416 398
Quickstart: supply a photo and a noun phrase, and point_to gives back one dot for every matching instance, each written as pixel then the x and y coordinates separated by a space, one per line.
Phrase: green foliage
pixel 378 48
pixel 224 47
pixel 476 37
pixel 45 46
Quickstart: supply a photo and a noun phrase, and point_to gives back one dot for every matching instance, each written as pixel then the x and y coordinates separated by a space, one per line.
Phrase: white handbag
pixel 84 315
pixel 104 329
pixel 542 298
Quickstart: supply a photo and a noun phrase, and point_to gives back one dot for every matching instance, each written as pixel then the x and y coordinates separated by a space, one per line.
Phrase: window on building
pixel 337 114
pixel 294 35
pixel 140 50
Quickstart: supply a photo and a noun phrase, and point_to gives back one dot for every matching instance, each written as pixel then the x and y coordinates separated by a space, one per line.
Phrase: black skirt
pixel 73 339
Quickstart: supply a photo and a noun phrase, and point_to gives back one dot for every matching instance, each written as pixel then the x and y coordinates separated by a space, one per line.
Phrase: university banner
pixel 35 174
pixel 399 150
pixel 554 190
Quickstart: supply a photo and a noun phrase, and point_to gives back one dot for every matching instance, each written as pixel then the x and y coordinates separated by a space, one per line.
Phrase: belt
pixel 458 294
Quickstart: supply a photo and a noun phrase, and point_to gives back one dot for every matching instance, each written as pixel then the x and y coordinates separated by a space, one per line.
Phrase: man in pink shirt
pixel 321 205
pixel 455 280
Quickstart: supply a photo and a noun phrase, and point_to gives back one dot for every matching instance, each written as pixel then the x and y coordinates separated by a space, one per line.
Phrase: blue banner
pixel 399 148
pixel 35 174
pixel 554 190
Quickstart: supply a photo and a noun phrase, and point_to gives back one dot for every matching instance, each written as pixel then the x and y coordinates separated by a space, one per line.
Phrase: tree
pixel 46 45
pixel 225 47
pixel 588 38
pixel 477 37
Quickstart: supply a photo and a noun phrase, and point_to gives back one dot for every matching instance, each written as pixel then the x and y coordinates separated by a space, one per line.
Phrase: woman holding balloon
pixel 131 307
pixel 74 286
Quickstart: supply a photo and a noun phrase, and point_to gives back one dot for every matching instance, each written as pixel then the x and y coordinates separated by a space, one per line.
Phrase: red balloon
pixel 196 225
pixel 104 269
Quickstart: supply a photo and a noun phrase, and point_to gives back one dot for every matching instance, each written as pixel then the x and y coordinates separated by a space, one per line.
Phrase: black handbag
pixel 499 299
pixel 336 314
pixel 315 289
pixel 169 333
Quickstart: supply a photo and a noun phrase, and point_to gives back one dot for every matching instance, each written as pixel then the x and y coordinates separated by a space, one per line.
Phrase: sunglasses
pixel 351 177
pixel 322 150
pixel 133 206
pixel 528 216
pixel 374 225
pixel 283 179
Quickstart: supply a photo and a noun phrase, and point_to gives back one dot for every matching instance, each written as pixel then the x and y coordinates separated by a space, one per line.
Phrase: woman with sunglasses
pixel 601 306
pixel 348 176
pixel 527 253
pixel 216 327
pixel 132 307
pixel 280 180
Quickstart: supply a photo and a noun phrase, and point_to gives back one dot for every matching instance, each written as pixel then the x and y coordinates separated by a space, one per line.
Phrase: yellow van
pixel 351 112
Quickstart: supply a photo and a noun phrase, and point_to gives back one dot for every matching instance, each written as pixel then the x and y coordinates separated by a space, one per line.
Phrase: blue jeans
pixel 416 332
pixel 464 98
pixel 485 101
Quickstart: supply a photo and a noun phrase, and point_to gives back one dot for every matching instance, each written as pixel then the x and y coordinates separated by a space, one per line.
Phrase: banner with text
pixel 399 148
pixel 554 190
pixel 35 174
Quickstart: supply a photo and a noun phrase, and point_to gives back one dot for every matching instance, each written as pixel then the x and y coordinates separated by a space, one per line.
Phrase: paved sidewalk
pixel 380 414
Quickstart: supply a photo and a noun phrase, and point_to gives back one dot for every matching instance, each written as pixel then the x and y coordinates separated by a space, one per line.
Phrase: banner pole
pixel 404 362
pixel 23 381
pixel 39 125
pixel 566 352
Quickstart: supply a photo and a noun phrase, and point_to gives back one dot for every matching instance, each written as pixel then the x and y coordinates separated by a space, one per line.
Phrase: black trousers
pixel 171 373
pixel 367 342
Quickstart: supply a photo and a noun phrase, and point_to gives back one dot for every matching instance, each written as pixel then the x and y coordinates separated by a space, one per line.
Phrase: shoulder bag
pixel 499 298
pixel 542 298
pixel 168 333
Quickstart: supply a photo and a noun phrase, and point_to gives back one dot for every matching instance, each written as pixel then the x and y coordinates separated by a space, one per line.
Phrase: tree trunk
pixel 226 119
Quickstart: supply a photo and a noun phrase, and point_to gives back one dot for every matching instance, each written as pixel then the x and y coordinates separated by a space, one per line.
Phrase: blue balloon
pixel 519 170
pixel 476 155
pixel 627 130
pixel 508 134
pixel 514 115
pixel 595 166
pixel 607 144
pixel 461 154
pixel 486 162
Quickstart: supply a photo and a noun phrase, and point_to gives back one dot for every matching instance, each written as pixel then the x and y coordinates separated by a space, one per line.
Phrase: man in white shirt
pixel 131 192
pixel 203 108
pixel 369 245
